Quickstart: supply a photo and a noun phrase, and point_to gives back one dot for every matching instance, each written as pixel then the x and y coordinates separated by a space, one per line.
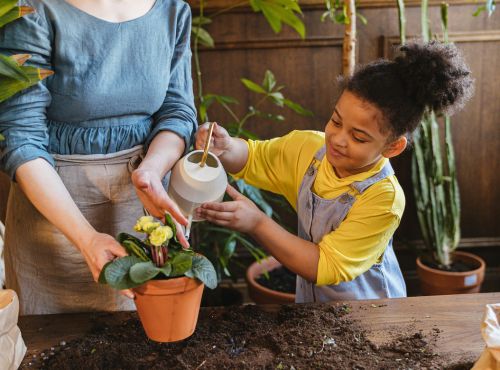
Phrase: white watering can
pixel 196 178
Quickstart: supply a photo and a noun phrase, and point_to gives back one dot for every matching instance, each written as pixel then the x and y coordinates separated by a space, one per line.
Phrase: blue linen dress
pixel 116 85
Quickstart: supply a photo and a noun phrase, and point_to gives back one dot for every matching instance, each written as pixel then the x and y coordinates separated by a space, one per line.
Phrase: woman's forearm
pixel 165 149
pixel 44 188
pixel 235 158
pixel 298 255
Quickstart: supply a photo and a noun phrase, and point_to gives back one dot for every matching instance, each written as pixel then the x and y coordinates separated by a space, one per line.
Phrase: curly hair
pixel 423 76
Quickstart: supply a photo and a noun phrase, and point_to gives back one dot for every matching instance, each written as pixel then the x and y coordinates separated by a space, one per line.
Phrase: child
pixel 340 182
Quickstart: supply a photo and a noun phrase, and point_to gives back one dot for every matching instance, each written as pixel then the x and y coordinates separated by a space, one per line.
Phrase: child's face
pixel 353 136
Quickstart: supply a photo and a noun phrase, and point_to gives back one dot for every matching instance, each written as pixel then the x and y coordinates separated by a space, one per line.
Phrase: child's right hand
pixel 220 141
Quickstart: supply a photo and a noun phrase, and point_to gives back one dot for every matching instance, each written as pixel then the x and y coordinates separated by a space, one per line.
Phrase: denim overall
pixel 318 217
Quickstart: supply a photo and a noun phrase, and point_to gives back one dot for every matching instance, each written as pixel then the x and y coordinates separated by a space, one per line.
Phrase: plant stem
pixel 197 58
pixel 228 8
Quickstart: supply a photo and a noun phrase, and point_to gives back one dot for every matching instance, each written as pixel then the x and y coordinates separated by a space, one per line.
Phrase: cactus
pixel 433 169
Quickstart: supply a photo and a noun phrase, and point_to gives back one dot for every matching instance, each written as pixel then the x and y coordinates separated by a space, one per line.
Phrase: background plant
pixel 14 75
pixel 159 255
pixel 433 168
pixel 217 243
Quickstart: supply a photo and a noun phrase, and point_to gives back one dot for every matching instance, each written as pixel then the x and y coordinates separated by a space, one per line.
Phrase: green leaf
pixel 200 21
pixel 102 277
pixel 203 37
pixel 13 14
pixel 277 98
pixel 166 269
pixel 253 86
pixel 256 196
pixel 144 271
pixel 170 222
pixel 9 68
pixel 297 108
pixel 203 270
pixel 11 86
pixel 269 81
pixel 181 263
pixel 134 246
pixel 116 273
pixel 362 18
pixel 6 6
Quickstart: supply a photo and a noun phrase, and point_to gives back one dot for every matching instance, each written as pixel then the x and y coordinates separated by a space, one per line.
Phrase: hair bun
pixel 435 75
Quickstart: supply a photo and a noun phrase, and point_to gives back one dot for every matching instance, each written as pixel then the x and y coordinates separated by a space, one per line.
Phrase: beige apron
pixel 48 273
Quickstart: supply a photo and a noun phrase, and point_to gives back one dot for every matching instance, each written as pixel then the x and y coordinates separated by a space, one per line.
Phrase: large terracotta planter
pixel 260 294
pixel 436 282
pixel 169 308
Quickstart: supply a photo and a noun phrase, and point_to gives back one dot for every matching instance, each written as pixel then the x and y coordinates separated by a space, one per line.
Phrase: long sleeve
pixel 178 113
pixel 23 119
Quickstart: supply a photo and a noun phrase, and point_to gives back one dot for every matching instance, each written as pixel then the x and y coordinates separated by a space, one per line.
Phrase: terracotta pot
pixel 436 282
pixel 169 308
pixel 260 294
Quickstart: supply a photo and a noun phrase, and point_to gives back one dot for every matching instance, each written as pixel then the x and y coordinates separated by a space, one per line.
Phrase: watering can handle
pixel 207 144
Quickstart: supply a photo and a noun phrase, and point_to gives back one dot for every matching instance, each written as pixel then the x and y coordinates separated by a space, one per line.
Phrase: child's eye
pixel 335 123
pixel 359 140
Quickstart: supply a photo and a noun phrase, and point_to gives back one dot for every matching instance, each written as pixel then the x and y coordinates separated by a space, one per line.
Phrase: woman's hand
pixel 153 196
pixel 220 141
pixel 101 249
pixel 241 214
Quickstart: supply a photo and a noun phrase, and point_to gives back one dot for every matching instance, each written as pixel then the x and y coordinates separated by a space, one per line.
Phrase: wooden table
pixel 457 317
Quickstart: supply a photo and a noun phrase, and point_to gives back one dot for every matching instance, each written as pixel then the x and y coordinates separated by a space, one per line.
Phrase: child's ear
pixel 396 147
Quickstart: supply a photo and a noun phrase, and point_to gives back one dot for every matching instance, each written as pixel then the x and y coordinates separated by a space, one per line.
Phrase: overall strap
pixel 361 186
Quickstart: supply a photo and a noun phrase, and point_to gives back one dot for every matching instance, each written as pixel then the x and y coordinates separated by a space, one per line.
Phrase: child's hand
pixel 240 215
pixel 220 141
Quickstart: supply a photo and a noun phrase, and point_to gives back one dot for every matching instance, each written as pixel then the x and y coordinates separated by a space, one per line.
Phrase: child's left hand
pixel 240 215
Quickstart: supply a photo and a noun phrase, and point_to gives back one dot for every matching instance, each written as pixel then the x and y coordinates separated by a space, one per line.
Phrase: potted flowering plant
pixel 167 279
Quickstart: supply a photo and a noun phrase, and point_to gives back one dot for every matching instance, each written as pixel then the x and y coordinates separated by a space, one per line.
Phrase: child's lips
pixel 335 153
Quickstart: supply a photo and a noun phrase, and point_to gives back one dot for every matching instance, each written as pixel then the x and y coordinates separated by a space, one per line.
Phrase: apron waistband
pixel 123 156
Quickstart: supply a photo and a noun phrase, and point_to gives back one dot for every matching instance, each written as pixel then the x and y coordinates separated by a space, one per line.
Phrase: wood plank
pixel 457 317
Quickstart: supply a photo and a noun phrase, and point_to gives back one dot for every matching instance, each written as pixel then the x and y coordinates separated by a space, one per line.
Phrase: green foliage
pixel 139 266
pixel 489 6
pixel 336 12
pixel 15 77
pixel 434 170
pixel 219 244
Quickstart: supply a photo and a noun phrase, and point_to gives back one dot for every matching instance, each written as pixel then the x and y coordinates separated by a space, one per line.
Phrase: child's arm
pixel 298 255
pixel 232 152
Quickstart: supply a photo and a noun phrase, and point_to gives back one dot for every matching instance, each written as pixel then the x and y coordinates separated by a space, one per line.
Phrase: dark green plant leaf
pixel 170 222
pixel 134 246
pixel 144 271
pixel 203 270
pixel 102 277
pixel 166 269
pixel 180 264
pixel 116 273
pixel 200 21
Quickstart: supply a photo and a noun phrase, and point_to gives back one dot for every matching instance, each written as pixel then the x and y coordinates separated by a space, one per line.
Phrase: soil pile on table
pixel 246 337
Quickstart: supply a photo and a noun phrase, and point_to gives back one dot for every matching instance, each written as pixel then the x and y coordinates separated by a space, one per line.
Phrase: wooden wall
pixel 246 47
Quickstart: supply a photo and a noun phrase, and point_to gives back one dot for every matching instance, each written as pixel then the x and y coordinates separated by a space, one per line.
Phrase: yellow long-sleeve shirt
pixel 279 165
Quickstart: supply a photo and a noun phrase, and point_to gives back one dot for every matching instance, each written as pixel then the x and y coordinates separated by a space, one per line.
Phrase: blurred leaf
pixel 144 271
pixel 249 135
pixel 297 108
pixel 253 86
pixel 277 12
pixel 203 36
pixel 200 21
pixel 6 6
pixel 10 68
pixel 362 18
pixel 15 13
pixel 269 81
pixel 278 98
pixel 2 137
pixel 11 86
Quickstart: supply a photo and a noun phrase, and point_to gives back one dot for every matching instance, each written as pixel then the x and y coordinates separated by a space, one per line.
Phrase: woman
pixel 121 92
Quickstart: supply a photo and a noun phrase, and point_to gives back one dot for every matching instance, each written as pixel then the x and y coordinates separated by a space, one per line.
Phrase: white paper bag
pixel 12 347
pixel 490 329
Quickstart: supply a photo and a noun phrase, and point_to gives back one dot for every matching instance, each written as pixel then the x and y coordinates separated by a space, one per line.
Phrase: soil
pixel 280 279
pixel 455 266
pixel 249 337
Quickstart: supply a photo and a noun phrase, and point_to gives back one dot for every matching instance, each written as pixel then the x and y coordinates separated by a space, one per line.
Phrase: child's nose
pixel 339 139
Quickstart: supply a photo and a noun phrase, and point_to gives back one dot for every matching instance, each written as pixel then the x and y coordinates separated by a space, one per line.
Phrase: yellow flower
pixel 139 226
pixel 160 235
pixel 149 227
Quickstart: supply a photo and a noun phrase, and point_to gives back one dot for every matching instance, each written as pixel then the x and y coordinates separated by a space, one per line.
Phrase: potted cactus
pixel 441 269
pixel 167 279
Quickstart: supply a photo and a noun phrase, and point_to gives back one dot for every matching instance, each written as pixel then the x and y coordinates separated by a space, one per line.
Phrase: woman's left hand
pixel 153 196
pixel 241 214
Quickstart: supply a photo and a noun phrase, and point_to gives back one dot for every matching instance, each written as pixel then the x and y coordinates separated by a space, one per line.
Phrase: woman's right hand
pixel 101 249
pixel 220 141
